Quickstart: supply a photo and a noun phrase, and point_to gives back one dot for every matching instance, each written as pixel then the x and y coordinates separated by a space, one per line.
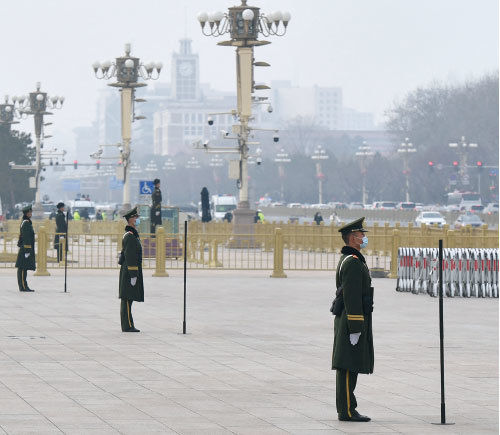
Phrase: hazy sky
pixel 376 50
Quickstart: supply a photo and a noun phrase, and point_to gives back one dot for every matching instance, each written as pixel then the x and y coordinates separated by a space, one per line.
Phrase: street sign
pixel 115 184
pixel 146 187
pixel 71 185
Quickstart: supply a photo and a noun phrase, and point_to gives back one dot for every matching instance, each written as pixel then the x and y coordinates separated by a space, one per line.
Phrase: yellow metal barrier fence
pixel 212 246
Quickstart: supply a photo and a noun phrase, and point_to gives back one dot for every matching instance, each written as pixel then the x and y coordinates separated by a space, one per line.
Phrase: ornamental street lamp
pixel 405 149
pixel 462 149
pixel 244 24
pixel 36 104
pixel 319 155
pixel 9 110
pixel 168 166
pixel 282 158
pixel 216 162
pixel 127 70
pixel 364 151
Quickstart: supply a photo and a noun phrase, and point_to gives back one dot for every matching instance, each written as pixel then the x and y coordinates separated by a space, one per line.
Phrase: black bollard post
pixel 66 252
pixel 185 266
pixel 441 334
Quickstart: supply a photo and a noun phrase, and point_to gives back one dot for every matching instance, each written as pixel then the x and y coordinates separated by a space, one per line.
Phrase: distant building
pixel 354 120
pixel 321 104
pixel 182 118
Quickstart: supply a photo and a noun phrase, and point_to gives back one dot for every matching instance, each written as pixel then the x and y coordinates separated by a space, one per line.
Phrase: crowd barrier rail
pixel 467 272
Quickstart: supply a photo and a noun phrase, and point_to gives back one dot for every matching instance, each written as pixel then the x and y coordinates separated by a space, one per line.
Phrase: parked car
pixel 384 205
pixel 430 218
pixel 337 205
pixel 407 206
pixel 321 206
pixel 453 207
pixel 277 204
pixel 419 206
pixel 294 205
pixel 356 206
pixel 477 208
pixel 468 219
pixel 491 208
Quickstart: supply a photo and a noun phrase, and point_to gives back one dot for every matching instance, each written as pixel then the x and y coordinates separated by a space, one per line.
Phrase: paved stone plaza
pixel 256 359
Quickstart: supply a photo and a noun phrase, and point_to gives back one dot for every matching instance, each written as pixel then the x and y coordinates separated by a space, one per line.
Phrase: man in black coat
pixel 131 285
pixel 61 229
pixel 353 343
pixel 26 255
pixel 155 206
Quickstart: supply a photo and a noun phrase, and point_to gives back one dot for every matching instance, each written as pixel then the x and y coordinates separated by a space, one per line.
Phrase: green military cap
pixel 356 225
pixel 131 213
pixel 27 208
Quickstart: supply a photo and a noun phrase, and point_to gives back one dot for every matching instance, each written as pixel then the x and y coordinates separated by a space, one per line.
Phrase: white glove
pixel 133 281
pixel 354 338
pixel 26 255
pixel 157 213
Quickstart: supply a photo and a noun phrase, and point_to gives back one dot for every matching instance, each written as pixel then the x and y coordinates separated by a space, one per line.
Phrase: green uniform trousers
pixel 126 314
pixel 346 401
pixel 21 279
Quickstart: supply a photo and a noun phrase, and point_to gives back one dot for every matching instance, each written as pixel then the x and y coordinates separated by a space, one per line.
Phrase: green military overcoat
pixel 60 228
pixel 131 267
pixel 26 245
pixel 354 277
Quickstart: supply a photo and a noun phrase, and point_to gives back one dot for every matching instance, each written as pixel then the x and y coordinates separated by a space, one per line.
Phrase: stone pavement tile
pixel 139 426
pixel 27 424
pixel 259 430
pixel 297 427
pixel 252 344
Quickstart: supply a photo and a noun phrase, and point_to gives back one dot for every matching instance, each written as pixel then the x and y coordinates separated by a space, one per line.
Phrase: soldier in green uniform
pixel 131 283
pixel 26 255
pixel 61 228
pixel 353 344
pixel 156 206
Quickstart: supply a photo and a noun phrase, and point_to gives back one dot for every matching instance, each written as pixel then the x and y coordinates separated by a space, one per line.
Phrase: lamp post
pixel 244 24
pixel 192 163
pixel 462 149
pixel 168 166
pixel 216 162
pixel 319 155
pixel 36 104
pixel 127 70
pixel 9 111
pixel 405 150
pixel 364 151
pixel 282 158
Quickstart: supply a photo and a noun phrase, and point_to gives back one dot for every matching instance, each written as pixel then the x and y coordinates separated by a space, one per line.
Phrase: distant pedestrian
pixel 26 255
pixel 228 217
pixel 76 215
pixel 318 218
pixel 85 214
pixel 61 229
pixel 205 206
pixel 98 216
pixel 155 216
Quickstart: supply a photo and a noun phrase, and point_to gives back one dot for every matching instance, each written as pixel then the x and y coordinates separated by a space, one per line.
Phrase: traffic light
pixel 75 164
pixel 455 165
pixel 431 165
pixel 479 165
pixel 98 164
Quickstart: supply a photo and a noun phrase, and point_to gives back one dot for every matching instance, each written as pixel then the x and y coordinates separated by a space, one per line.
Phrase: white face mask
pixel 364 242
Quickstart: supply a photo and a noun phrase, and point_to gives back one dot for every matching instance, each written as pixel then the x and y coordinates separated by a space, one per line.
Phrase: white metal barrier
pixel 466 272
